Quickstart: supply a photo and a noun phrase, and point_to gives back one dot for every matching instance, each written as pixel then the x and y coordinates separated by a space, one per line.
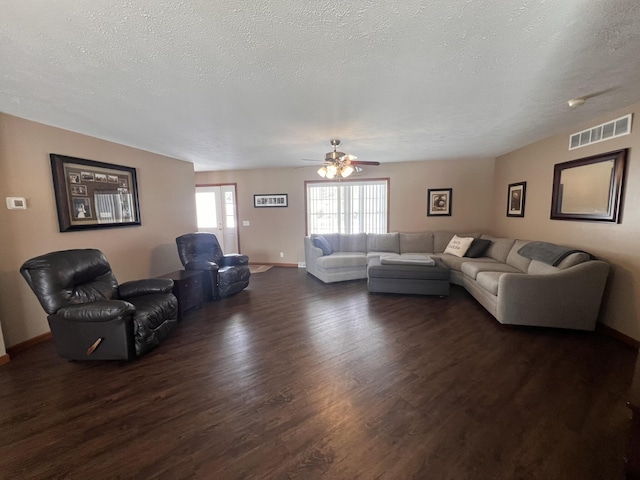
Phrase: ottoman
pixel 409 278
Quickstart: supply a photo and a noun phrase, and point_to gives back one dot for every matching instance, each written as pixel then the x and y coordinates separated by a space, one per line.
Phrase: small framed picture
pixel 271 200
pixel 439 202
pixel 515 199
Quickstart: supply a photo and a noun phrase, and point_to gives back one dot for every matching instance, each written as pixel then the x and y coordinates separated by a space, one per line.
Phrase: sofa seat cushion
pixel 342 259
pixel 455 263
pixel 473 269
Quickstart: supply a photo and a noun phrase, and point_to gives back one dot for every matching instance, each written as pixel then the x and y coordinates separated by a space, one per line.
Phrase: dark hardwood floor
pixel 293 378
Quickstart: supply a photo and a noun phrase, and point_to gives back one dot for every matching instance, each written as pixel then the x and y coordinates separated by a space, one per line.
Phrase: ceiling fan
pixel 339 164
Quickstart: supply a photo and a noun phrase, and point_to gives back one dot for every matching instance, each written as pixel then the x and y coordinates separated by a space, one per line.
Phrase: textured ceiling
pixel 230 84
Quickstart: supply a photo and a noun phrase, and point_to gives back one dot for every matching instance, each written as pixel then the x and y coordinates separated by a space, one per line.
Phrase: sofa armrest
pixel 311 255
pixel 100 311
pixel 148 286
pixel 567 299
pixel 234 259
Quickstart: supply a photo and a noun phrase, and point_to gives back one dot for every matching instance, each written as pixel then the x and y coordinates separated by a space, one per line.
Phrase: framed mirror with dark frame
pixel 589 189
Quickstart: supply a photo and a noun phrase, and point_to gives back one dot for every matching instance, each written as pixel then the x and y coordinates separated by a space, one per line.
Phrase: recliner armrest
pixel 147 286
pixel 201 265
pixel 100 311
pixel 234 259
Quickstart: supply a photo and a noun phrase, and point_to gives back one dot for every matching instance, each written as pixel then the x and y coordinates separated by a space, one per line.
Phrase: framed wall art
pixel 516 194
pixel 271 200
pixel 91 194
pixel 439 202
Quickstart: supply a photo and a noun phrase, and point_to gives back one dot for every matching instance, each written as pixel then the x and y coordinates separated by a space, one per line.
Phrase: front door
pixel 217 213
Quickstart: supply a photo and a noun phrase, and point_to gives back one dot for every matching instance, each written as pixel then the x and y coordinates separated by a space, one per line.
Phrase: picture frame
pixel 91 194
pixel 516 196
pixel 439 202
pixel 589 189
pixel 270 200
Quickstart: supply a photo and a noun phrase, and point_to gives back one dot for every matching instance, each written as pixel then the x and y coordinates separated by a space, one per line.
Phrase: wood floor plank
pixel 293 378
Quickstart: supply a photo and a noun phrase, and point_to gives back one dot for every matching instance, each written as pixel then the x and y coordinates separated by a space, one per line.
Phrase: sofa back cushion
pixel 499 248
pixel 442 238
pixel 383 242
pixel 515 259
pixel 416 242
pixel 353 242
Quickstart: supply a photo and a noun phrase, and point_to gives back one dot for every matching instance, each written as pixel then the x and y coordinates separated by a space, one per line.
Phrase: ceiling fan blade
pixel 360 162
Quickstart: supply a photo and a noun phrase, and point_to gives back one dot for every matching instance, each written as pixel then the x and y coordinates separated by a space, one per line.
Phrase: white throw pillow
pixel 458 246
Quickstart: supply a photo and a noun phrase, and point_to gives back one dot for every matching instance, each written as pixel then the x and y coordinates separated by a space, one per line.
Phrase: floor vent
pixel 606 131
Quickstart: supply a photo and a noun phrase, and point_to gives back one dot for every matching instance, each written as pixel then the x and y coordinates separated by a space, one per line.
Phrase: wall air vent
pixel 615 128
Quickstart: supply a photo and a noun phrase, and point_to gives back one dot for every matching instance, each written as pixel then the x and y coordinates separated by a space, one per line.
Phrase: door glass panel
pixel 206 210
pixel 229 210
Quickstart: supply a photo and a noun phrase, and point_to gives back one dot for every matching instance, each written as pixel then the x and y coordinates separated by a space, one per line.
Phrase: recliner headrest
pixel 70 277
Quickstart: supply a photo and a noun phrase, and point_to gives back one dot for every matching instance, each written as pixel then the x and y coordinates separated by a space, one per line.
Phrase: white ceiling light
pixel 576 102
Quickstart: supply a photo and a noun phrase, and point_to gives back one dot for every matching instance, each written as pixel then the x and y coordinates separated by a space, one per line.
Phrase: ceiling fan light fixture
pixel 339 164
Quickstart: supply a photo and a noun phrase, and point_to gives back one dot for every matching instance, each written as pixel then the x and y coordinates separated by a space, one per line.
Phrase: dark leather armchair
pixel 228 273
pixel 90 315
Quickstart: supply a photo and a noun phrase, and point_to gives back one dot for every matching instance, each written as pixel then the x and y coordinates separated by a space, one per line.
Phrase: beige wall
pixel 167 209
pixel 275 230
pixel 618 244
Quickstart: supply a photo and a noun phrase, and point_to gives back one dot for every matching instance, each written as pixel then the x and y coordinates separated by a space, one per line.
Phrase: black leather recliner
pixel 229 273
pixel 90 315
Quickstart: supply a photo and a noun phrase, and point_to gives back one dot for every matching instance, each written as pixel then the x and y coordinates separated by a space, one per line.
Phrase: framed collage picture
pixel 92 194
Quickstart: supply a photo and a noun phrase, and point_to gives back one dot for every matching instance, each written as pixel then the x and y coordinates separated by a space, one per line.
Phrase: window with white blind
pixel 347 207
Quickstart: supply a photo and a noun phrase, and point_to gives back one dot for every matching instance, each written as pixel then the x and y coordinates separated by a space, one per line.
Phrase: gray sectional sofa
pixel 515 289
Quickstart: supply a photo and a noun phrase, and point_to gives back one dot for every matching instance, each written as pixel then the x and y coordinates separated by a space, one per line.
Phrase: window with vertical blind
pixel 347 206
